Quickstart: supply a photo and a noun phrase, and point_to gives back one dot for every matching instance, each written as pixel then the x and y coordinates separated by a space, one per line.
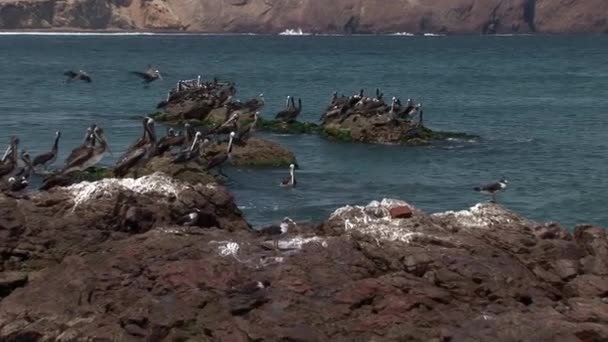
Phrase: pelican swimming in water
pixel 291 180
pixel 77 75
pixel 48 158
pixel 220 159
pixel 150 75
pixel 143 149
pixel 89 156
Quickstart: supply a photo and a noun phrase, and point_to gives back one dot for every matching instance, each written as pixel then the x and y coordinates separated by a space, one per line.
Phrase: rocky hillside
pixel 338 16
pixel 106 261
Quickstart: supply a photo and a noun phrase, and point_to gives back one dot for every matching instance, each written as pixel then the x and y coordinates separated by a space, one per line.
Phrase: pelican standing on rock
pixel 10 163
pixel 88 141
pixel 89 156
pixel 290 114
pixel 291 180
pixel 220 159
pixel 47 159
pixel 191 153
pixel 142 149
pixel 245 134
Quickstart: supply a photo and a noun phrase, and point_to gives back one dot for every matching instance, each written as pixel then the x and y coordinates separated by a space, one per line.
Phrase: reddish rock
pixel 401 212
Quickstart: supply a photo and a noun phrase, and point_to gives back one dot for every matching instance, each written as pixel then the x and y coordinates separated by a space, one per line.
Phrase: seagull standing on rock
pixel 492 189
pixel 276 231
pixel 191 219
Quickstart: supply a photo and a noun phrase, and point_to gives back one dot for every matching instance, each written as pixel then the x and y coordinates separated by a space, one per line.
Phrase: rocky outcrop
pixel 256 152
pixel 479 274
pixel 342 16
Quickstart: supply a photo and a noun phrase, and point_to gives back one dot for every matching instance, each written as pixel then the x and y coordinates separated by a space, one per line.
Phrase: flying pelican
pixel 221 158
pixel 492 189
pixel 291 180
pixel 89 156
pixel 77 75
pixel 48 158
pixel 150 75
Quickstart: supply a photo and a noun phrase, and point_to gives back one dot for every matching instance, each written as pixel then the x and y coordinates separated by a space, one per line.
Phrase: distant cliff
pixel 336 16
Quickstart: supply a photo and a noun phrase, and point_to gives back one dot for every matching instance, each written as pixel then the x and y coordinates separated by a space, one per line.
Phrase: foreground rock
pixel 41 228
pixel 482 274
pixel 342 16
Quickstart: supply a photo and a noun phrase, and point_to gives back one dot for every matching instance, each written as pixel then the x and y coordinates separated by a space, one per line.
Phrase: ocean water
pixel 539 103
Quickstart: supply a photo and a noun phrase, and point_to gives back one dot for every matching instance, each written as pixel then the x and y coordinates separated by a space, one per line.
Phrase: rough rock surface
pixel 341 16
pixel 256 152
pixel 483 274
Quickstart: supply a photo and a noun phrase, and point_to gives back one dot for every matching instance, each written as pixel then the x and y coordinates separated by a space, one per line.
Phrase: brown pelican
pixel 291 180
pixel 255 104
pixel 26 170
pixel 492 189
pixel 420 112
pixel 228 126
pixel 289 102
pixel 89 156
pixel 245 134
pixel 89 140
pixel 221 158
pixel 170 140
pixel 150 75
pixel 141 150
pixel 275 231
pixel 77 75
pixel 191 153
pixel 11 162
pixel 379 95
pixel 46 159
pixel 290 115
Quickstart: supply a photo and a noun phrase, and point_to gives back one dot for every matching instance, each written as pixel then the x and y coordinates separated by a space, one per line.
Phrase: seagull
pixel 291 180
pixel 492 189
pixel 19 184
pixel 150 75
pixel 275 231
pixel 48 158
pixel 190 219
pixel 77 75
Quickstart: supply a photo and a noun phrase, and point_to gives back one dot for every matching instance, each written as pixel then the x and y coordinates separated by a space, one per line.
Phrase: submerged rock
pixel 479 274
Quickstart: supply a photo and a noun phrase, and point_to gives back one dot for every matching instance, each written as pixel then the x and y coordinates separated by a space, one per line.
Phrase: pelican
pixel 167 142
pixel 191 153
pixel 77 75
pixel 11 162
pixel 47 159
pixel 89 156
pixel 221 158
pixel 9 149
pixel 142 151
pixel 26 170
pixel 291 180
pixel 492 189
pixel 150 75
pixel 245 134
pixel 288 103
pixel 255 104
pixel 290 115
pixel 88 141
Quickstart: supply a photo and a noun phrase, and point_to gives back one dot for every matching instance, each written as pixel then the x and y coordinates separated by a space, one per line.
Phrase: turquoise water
pixel 539 104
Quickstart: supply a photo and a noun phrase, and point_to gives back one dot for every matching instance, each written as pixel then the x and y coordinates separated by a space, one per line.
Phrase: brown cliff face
pixel 339 16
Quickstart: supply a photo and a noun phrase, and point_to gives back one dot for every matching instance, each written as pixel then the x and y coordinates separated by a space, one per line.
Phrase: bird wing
pixel 283 114
pixel 70 74
pixel 128 160
pixel 270 230
pixel 43 158
pixel 86 78
pixel 491 187
pixel 80 157
pixel 217 160
pixel 140 74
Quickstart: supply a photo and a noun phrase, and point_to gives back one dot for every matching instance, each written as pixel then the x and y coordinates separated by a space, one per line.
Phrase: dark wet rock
pixel 381 129
pixel 192 172
pixel 282 127
pixel 256 152
pixel 11 280
pixel 479 274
